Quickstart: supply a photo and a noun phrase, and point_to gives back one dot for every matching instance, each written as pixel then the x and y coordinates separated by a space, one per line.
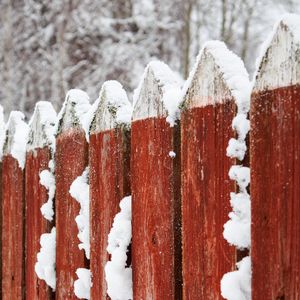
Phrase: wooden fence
pixel 171 157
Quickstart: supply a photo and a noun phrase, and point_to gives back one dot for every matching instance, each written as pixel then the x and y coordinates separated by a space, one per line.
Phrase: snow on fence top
pixel 16 137
pixel 112 108
pixel 2 131
pixel 74 110
pixel 279 64
pixel 158 94
pixel 42 126
pixel 218 74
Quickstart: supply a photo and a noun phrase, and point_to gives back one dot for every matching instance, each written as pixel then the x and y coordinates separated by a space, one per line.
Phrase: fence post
pixel 71 158
pixel 208 109
pixel 155 169
pixel 275 167
pixel 109 159
pixel 2 138
pixel 13 207
pixel 37 159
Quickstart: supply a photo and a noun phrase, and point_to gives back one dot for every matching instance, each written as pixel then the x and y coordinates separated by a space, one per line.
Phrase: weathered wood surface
pixel 109 183
pixel 109 159
pixel 205 131
pixel 156 217
pixel 13 282
pixel 275 170
pixel 13 208
pixel 36 195
pixel 71 158
pixel 38 155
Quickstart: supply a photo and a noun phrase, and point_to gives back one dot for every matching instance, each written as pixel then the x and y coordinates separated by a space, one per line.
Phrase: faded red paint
pixel 35 196
pixel 1 229
pixel 12 229
pixel 207 256
pixel 275 190
pixel 156 243
pixel 71 158
pixel 109 155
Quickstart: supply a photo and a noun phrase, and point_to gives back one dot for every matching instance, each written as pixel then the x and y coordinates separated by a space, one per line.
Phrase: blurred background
pixel 48 47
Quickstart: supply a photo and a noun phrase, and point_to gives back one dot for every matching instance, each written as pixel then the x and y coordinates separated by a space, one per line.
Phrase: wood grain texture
pixel 35 196
pixel 207 256
pixel 156 221
pixel 12 229
pixel 71 158
pixel 275 190
pixel 109 155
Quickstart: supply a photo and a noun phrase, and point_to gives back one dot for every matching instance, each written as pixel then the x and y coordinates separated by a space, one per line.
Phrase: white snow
pixel 172 154
pixel 42 126
pixel 117 275
pixel 236 148
pixel 111 109
pixel 45 265
pixel 231 69
pixel 241 175
pixel 237 229
pixel 79 190
pixel 2 131
pixel 83 284
pixel 237 285
pixel 77 104
pixel 47 179
pixel 169 94
pixel 17 136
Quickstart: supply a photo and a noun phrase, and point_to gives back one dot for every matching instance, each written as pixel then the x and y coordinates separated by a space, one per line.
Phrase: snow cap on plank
pixel 158 94
pixel 111 109
pixel 218 74
pixel 74 110
pixel 2 131
pixel 16 137
pixel 42 126
pixel 278 65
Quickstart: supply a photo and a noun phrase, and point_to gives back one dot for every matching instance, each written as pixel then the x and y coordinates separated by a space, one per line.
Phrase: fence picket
pixel 37 159
pixel 155 169
pixel 208 111
pixel 109 157
pixel 275 167
pixel 13 210
pixel 71 158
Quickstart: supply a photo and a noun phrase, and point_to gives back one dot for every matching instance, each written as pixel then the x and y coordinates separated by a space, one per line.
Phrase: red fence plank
pixel 109 159
pixel 37 160
pixel 71 158
pixel 12 216
pixel 156 245
pixel 2 138
pixel 275 170
pixel 36 195
pixel 209 109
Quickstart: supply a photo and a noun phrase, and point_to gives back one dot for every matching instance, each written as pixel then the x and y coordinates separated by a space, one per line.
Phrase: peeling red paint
pixel 35 196
pixel 71 158
pixel 12 229
pixel 206 187
pixel 156 244
pixel 109 155
pixel 275 190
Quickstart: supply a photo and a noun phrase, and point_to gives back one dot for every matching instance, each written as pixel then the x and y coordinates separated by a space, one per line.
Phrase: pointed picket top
pixel 158 94
pixel 73 111
pixel 2 131
pixel 279 63
pixel 112 109
pixel 16 137
pixel 218 74
pixel 42 126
